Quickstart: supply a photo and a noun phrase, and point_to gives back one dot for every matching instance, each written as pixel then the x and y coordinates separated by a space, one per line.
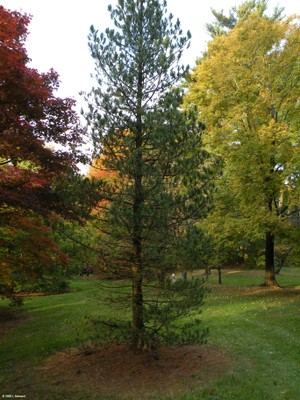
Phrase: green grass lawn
pixel 259 329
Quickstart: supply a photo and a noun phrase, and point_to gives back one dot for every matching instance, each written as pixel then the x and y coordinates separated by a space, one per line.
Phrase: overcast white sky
pixel 59 29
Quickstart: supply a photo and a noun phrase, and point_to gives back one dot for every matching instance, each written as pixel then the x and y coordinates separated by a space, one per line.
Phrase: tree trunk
pixel 207 270
pixel 270 279
pixel 137 269
pixel 219 275
pixel 137 309
pixel 137 276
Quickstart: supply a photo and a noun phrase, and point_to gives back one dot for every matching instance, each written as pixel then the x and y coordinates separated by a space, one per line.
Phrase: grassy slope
pixel 259 329
pixel 55 323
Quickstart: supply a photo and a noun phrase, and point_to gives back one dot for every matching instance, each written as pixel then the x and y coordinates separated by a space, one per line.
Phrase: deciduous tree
pixel 31 118
pixel 39 139
pixel 247 93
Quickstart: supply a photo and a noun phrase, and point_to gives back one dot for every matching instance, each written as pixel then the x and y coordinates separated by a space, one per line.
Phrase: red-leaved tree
pixel 39 138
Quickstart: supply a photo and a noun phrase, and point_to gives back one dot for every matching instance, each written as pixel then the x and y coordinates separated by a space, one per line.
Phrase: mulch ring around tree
pixel 116 371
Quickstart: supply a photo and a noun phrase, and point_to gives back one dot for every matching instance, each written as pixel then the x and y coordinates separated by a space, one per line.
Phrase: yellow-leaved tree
pixel 246 89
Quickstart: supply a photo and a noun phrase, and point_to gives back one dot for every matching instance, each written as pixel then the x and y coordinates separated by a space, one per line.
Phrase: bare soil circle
pixel 118 372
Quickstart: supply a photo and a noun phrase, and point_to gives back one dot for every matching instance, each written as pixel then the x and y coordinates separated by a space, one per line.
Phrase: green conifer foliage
pixel 153 171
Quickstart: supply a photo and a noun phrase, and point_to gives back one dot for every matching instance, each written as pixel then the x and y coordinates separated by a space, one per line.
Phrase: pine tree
pixel 153 169
pixel 223 24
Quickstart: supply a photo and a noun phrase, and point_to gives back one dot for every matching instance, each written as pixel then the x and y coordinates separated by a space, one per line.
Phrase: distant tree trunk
pixel 270 279
pixel 219 275
pixel 207 270
pixel 282 260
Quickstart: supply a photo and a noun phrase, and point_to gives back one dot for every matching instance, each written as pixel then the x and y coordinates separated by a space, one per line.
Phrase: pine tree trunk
pixel 137 276
pixel 137 269
pixel 270 279
pixel 137 309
